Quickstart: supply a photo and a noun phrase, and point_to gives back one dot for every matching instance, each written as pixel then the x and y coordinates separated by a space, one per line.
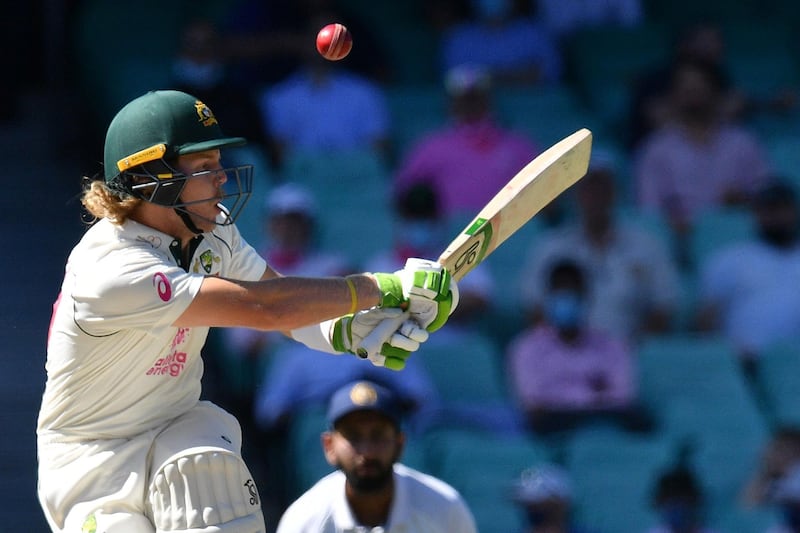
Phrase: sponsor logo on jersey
pixel 163 286
pixel 173 364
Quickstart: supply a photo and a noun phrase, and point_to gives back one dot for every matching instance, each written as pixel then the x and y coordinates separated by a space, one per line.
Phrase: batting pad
pixel 205 490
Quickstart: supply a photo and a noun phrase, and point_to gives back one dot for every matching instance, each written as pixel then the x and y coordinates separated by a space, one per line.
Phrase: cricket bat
pixel 538 183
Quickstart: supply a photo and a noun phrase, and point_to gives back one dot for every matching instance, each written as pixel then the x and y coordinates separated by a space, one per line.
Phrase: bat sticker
pixel 482 230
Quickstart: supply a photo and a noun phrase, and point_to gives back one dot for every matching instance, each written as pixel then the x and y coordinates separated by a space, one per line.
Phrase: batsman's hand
pixel 423 287
pixel 398 342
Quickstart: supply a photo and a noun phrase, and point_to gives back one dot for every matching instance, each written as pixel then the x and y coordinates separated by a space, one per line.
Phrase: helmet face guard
pixel 159 183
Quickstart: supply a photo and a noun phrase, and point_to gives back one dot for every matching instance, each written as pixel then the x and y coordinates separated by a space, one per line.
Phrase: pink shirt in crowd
pixel 467 164
pixel 674 174
pixel 547 373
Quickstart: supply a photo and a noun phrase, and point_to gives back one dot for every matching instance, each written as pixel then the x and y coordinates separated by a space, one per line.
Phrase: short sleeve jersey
pixel 115 364
pixel 421 503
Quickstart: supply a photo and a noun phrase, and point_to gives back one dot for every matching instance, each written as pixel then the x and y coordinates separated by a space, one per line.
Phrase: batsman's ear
pixel 327 447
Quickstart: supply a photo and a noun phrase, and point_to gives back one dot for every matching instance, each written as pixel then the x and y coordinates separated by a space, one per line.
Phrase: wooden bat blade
pixel 540 182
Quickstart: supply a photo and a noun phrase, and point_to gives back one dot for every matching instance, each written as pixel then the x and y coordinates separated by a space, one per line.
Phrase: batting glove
pixel 395 346
pixel 425 288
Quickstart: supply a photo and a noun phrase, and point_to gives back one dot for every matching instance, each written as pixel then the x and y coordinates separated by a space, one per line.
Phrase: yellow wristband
pixel 353 295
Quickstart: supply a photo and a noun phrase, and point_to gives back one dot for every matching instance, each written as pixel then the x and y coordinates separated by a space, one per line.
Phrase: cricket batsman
pixel 125 445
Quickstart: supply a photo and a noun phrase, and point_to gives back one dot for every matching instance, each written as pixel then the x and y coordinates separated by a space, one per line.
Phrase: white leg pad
pixel 205 490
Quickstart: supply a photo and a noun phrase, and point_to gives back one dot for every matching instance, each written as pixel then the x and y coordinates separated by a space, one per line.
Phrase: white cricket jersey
pixel 422 504
pixel 115 364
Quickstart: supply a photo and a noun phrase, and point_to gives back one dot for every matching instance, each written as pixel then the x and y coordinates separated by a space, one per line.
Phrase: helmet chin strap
pixel 187 221
pixel 186 217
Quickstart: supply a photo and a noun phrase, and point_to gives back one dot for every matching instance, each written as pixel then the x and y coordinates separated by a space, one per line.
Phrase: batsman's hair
pixel 100 201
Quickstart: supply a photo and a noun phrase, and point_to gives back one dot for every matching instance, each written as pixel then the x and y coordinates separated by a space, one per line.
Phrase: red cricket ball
pixel 334 42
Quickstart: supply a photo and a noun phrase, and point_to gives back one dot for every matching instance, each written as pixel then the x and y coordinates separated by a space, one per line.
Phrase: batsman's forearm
pixel 281 304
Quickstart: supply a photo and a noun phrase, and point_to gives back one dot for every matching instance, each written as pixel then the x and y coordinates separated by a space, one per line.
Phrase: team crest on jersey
pixel 206 262
pixel 204 113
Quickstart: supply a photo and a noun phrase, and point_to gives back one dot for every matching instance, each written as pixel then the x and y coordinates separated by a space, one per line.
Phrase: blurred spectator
pixel 696 160
pixel 564 373
pixel 544 493
pixel 651 106
pixel 512 47
pixel 679 501
pixel 290 246
pixel 564 17
pixel 301 378
pixel 290 228
pixel 787 500
pixel 702 41
pixel 779 455
pixel 634 287
pixel 744 288
pixel 201 68
pixel 324 107
pixel 420 230
pixel 469 160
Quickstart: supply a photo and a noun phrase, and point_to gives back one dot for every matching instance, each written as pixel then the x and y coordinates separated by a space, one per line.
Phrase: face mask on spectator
pixel 565 309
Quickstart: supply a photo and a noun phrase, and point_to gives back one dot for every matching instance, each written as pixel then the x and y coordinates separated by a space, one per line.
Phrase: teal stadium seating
pixel 467 370
pixel 483 468
pixel 783 152
pixel 415 111
pixel 779 381
pixel 124 49
pixel 717 228
pixel 667 12
pixel 613 472
pixel 604 62
pixel 546 114
pixel 695 388
pixel 405 35
pixel 353 192
pixel 306 462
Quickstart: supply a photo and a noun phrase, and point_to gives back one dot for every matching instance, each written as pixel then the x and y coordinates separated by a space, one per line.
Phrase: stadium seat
pixel 717 228
pixel 483 468
pixel 406 38
pixel 779 377
pixel 604 61
pixel 546 114
pixel 695 388
pixel 415 110
pixel 783 152
pixel 352 190
pixel 665 11
pixel 114 69
pixel 306 460
pixel 612 472
pixel 250 221
pixel 337 172
pixel 466 368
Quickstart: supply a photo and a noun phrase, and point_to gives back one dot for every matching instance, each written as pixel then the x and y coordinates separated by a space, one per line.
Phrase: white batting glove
pixel 395 345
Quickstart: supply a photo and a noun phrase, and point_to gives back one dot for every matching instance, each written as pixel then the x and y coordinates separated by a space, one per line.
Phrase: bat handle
pixel 374 341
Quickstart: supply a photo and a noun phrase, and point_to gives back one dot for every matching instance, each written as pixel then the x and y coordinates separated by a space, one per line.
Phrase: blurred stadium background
pixel 68 65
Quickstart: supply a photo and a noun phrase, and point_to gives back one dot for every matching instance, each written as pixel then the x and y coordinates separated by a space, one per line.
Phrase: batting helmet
pixel 145 139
